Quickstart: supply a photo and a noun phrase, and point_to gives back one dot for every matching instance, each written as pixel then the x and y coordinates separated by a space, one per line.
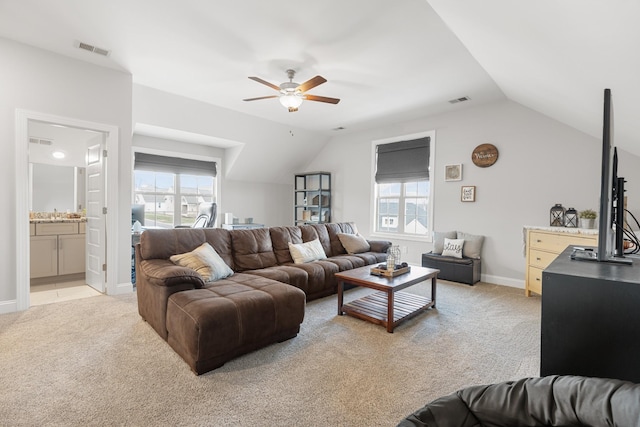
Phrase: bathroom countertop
pixel 56 220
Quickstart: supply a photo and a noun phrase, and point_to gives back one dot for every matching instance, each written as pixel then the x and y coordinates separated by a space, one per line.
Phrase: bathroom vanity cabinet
pixel 57 248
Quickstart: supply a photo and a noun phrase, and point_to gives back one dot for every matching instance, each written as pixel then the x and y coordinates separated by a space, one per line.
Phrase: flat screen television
pixel 611 221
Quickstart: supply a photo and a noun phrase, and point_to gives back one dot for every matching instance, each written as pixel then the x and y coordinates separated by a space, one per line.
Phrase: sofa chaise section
pixel 209 326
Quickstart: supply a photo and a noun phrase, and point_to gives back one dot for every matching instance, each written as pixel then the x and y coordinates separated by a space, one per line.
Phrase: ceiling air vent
pixel 92 48
pixel 463 99
pixel 40 141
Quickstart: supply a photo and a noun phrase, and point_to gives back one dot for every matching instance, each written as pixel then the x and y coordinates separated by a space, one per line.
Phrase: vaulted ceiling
pixel 386 61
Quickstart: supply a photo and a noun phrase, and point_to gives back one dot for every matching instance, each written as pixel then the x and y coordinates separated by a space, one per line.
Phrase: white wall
pixel 541 162
pixel 36 80
pixel 268 204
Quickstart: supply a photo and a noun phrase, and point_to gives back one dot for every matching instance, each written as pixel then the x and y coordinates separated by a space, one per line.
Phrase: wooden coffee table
pixel 387 307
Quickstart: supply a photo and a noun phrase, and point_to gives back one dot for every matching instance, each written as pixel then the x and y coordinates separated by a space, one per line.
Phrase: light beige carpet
pixel 96 362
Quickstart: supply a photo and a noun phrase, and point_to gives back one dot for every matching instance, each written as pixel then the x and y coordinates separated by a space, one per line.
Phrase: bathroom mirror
pixel 56 187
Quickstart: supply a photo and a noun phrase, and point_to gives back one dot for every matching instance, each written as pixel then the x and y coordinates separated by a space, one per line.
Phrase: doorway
pixel 106 267
pixel 59 166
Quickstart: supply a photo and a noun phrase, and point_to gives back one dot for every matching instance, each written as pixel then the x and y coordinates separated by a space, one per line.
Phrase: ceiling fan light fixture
pixel 291 100
pixel 291 94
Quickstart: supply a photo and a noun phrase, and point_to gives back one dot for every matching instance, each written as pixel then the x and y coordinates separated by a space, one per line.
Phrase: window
pixel 171 189
pixel 403 190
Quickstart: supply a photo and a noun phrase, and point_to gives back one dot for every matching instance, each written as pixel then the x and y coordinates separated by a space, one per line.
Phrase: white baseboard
pixel 123 288
pixel 504 281
pixel 10 306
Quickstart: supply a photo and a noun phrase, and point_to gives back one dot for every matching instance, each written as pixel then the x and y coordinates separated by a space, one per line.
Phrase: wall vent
pixel 463 99
pixel 40 141
pixel 92 48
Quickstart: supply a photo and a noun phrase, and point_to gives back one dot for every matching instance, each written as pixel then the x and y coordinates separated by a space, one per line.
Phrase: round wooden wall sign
pixel 484 155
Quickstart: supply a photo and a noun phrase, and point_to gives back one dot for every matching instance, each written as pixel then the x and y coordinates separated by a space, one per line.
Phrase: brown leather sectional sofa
pixel 261 303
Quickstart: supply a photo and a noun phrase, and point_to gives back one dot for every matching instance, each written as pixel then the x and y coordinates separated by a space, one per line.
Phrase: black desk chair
pixel 207 213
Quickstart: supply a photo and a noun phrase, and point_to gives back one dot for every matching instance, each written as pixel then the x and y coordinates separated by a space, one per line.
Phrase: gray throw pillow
pixel 438 240
pixel 472 244
pixel 354 243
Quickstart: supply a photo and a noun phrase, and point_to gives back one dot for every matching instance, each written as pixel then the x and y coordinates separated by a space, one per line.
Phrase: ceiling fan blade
pixel 260 97
pixel 311 83
pixel 322 99
pixel 264 82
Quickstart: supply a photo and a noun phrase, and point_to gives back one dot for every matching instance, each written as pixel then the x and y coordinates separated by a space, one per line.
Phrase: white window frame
pixel 217 179
pixel 432 188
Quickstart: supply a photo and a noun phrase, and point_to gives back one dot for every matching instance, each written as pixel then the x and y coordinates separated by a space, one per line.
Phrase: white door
pixel 96 231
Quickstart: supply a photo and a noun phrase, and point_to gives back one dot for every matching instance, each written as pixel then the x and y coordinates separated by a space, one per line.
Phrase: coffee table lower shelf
pixel 373 307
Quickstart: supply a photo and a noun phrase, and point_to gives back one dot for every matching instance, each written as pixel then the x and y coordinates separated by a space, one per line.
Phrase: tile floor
pixel 57 292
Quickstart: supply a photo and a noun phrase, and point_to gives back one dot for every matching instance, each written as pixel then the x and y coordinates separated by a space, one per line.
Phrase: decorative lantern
pixel 556 216
pixel 571 218
pixel 393 257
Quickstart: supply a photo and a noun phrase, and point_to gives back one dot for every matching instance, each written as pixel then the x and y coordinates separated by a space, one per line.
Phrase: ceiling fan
pixel 292 94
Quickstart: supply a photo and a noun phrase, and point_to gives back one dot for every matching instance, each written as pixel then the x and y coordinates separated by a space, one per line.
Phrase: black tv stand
pixel 588 254
pixel 590 319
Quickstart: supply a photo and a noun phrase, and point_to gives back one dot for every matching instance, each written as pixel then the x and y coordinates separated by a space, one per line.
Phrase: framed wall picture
pixel 468 193
pixel 453 172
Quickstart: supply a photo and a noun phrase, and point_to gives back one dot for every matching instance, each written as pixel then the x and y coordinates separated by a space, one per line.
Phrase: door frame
pixel 22 198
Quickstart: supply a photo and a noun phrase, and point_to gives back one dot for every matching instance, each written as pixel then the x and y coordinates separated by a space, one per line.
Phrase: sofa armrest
pixel 156 280
pixel 162 272
pixel 379 245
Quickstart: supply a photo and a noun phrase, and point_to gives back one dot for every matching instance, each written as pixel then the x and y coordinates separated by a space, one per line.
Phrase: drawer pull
pixel 539 241
pixel 537 279
pixel 537 258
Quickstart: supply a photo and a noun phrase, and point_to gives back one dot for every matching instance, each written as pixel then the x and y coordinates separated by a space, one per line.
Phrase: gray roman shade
pixel 177 165
pixel 403 161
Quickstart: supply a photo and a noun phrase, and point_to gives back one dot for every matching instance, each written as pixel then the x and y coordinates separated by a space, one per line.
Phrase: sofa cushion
pixel 446 259
pixel 354 243
pixel 438 240
pixel 317 231
pixel 306 252
pixel 321 280
pixel 252 249
pixel 453 247
pixel 349 262
pixel 205 260
pixel 280 239
pixel 472 244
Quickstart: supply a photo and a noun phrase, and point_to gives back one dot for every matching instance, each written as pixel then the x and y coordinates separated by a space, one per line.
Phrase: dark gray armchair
pixel 546 401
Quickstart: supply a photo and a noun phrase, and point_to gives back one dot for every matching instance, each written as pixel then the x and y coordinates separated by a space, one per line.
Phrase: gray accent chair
pixel 546 401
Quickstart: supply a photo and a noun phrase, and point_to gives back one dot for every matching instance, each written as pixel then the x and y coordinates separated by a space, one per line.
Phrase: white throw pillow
pixel 453 247
pixel 306 252
pixel 206 261
pixel 354 243
pixel 438 240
